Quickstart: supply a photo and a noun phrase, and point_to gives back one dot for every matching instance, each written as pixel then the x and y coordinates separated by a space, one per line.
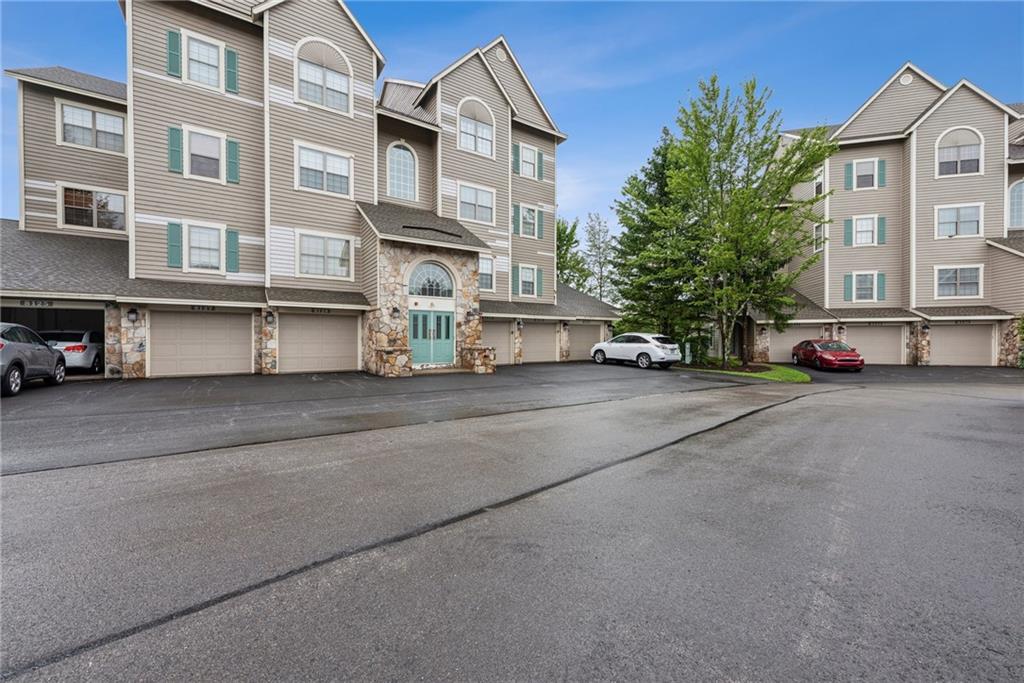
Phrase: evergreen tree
pixel 572 266
pixel 599 254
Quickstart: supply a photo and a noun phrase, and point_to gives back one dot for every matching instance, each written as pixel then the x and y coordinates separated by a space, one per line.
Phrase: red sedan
pixel 827 353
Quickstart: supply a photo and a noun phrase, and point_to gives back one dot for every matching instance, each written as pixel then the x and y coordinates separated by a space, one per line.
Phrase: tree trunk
pixel 726 337
pixel 744 350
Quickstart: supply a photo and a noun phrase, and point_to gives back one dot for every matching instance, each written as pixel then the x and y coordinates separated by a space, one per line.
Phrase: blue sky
pixel 611 74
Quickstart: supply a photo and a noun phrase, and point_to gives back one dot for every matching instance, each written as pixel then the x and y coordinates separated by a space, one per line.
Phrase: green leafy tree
pixel 572 265
pixel 599 254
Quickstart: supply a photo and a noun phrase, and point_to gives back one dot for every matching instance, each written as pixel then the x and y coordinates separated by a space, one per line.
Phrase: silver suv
pixel 25 356
pixel 643 348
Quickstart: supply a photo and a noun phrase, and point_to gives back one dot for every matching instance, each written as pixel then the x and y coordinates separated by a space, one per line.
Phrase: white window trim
pixel 874 231
pixel 59 103
pixel 295 78
pixel 981 280
pixel 186 143
pixel 326 150
pixel 186 256
pixel 494 279
pixel 873 160
pixel 459 184
pixel 334 236
pixel 819 177
pixel 522 146
pixel 818 248
pixel 981 153
pixel 874 286
pixel 981 220
pixel 458 128
pixel 522 208
pixel 528 266
pixel 1009 207
pixel 415 171
pixel 61 186
pixel 185 35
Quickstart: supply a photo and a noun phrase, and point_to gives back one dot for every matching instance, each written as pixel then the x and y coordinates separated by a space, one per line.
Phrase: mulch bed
pixel 752 368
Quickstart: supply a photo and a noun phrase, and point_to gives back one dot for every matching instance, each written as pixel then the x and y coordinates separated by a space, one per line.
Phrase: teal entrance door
pixel 431 337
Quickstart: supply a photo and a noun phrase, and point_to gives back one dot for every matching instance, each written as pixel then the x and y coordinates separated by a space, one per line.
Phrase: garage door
pixel 200 343
pixel 539 343
pixel 581 339
pixel 780 345
pixel 498 333
pixel 879 344
pixel 961 344
pixel 317 343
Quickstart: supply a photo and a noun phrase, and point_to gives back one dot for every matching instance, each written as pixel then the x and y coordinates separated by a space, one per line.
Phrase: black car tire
pixel 59 372
pixel 599 357
pixel 857 369
pixel 644 361
pixel 13 381
pixel 97 364
pixel 664 366
pixel 817 363
pixel 796 359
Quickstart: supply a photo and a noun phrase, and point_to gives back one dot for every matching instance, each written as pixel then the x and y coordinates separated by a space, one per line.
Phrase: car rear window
pixel 663 340
pixel 62 336
pixel 833 346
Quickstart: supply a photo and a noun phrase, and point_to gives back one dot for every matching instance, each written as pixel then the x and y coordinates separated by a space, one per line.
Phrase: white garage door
pixel 961 344
pixel 200 343
pixel 879 344
pixel 317 343
pixel 539 343
pixel 581 339
pixel 498 333
pixel 780 345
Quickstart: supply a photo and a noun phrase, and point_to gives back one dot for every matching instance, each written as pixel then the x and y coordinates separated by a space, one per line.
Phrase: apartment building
pixel 247 203
pixel 922 252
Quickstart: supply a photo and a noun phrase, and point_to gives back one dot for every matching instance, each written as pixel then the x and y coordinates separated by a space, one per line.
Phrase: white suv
pixel 643 348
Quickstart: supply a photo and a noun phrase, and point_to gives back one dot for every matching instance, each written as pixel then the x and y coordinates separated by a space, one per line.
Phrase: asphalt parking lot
pixel 611 523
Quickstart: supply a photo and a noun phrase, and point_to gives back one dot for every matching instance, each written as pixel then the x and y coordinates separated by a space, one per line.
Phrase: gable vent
pixel 906 79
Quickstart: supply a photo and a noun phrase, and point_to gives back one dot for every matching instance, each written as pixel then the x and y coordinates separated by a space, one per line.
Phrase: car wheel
pixel 796 359
pixel 97 364
pixel 599 357
pixel 817 363
pixel 58 374
pixel 664 366
pixel 644 361
pixel 12 381
pixel 857 369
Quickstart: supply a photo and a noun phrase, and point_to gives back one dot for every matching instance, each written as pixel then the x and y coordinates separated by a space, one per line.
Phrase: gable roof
pixel 501 39
pixel 475 52
pixel 962 83
pixel 70 80
pixel 867 103
pixel 419 226
pixel 397 97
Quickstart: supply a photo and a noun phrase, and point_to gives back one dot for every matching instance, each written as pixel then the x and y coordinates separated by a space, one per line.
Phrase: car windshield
pixel 663 340
pixel 833 346
pixel 63 336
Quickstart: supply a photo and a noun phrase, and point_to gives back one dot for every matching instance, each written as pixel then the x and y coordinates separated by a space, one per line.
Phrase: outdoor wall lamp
pixel 762 331
pixel 395 311
pixel 841 329
pixel 519 324
pixel 926 327
pixel 471 314
pixel 133 315
pixel 269 317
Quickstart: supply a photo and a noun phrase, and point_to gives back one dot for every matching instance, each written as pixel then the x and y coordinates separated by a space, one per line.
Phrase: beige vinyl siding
pixel 1005 278
pixel 963 108
pixel 539 193
pixel 894 109
pixel 160 103
pixel 516 87
pixel 421 141
pixel 471 78
pixel 810 283
pixel 884 201
pixel 1016 129
pixel 48 162
pixel 905 179
pixel 366 270
pixel 298 209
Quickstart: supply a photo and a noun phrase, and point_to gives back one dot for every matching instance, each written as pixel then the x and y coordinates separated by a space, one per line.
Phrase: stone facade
pixel 563 341
pixel 266 341
pixel 480 359
pixel 517 342
pixel 112 340
pixel 759 351
pixel 919 344
pixel 133 342
pixel 1011 343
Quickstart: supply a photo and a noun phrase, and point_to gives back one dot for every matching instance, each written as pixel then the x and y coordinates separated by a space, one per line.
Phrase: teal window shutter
pixel 174 150
pixel 174 245
pixel 174 54
pixel 540 282
pixel 880 287
pixel 540 224
pixel 231 251
pixel 540 165
pixel 881 229
pixel 848 287
pixel 848 176
pixel 881 172
pixel 515 280
pixel 515 219
pixel 515 158
pixel 230 70
pixel 848 232
pixel 233 171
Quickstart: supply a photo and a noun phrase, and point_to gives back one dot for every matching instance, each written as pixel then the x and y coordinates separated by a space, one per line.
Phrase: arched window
pixel 430 279
pixel 476 127
pixel 401 172
pixel 959 152
pixel 323 76
pixel 1017 204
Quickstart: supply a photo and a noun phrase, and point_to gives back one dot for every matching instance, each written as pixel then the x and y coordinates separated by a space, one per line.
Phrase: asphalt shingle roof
pixel 63 77
pixel 571 304
pixel 398 97
pixel 1015 240
pixel 880 313
pixel 960 311
pixel 393 220
pixel 294 295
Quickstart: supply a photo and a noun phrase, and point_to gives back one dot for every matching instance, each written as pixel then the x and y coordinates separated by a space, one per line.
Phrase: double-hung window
pixel 323 86
pixel 529 222
pixel 401 172
pixel 527 281
pixel 819 237
pixel 958 221
pixel 205 155
pixel 90 128
pixel 865 174
pixel 864 230
pixel 528 161
pixel 204 248
pixel 476 204
pixel 323 256
pixel 958 282
pixel 476 128
pixel 958 153
pixel 486 278
pixel 864 287
pixel 324 171
pixel 84 208
pixel 819 185
pixel 204 61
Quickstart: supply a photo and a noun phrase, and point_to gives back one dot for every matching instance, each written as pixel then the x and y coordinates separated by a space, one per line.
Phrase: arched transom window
pixel 323 76
pixel 430 279
pixel 959 152
pixel 401 172
pixel 1017 204
pixel 476 127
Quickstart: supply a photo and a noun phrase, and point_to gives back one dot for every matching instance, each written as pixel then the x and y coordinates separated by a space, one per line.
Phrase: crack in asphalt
pixel 390 540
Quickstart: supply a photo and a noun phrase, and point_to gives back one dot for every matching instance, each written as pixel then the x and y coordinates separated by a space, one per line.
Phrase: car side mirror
pixel 853 348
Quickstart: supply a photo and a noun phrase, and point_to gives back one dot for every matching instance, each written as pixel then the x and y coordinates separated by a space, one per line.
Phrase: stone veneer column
pixel 563 340
pixel 266 338
pixel 762 344
pixel 134 339
pixel 517 342
pixel 112 341
pixel 919 344
pixel 1011 343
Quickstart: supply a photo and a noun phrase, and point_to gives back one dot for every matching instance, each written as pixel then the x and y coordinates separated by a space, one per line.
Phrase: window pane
pixel 484 146
pixel 947 168
pixel 309 158
pixel 204 248
pixel 337 100
pixel 337 258
pixel 77 125
pixel 203 62
pixel 336 81
pixel 467 125
pixel 78 207
pixel 110 211
pixel 311 72
pixel 336 165
pixel 969 166
pixel 109 124
pixel 311 178
pixel 111 141
pixel 311 92
pixel 969 275
pixel 204 145
pixel 401 173
pixel 337 183
pixel 947 275
pixel 1017 205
